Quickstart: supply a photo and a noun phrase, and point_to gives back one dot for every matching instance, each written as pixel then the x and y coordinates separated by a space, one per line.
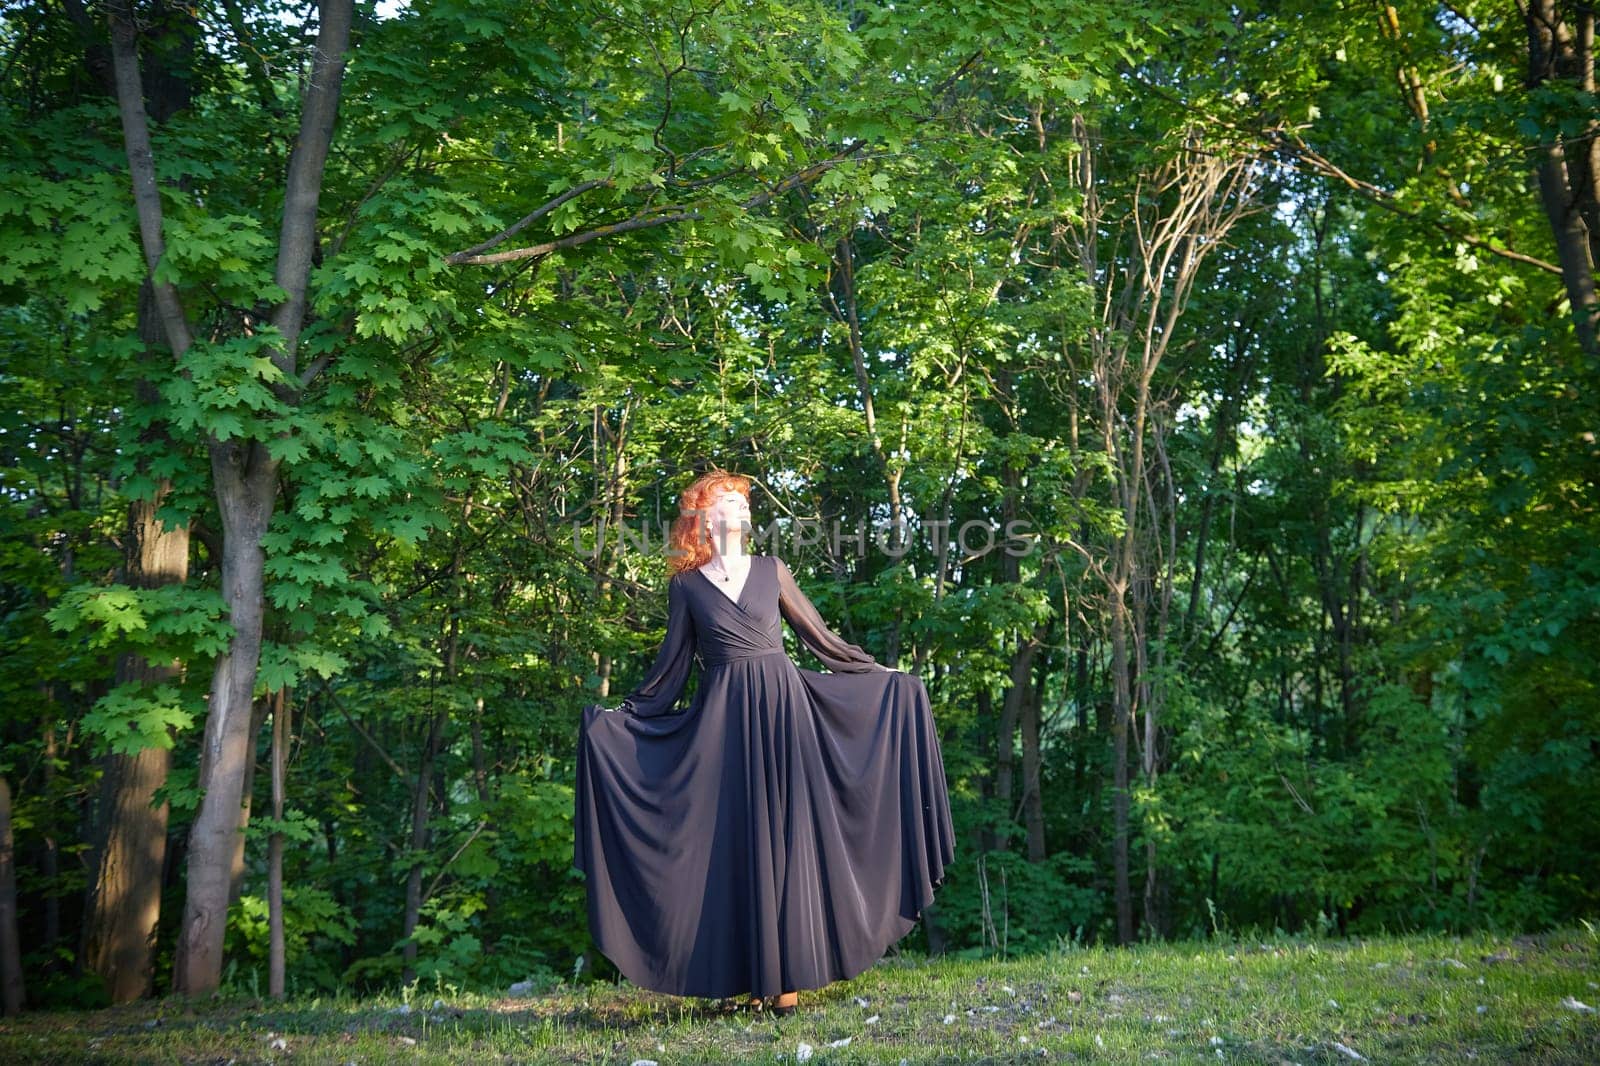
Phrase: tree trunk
pixel 480 777
pixel 126 905
pixel 280 756
pixel 244 474
pixel 844 267
pixel 247 795
pixel 1081 698
pixel 1122 699
pixel 1012 710
pixel 1032 759
pixel 125 897
pixel 1567 171
pixel 986 830
pixel 12 998
pixel 245 494
pixel 1160 594
pixel 1005 746
pixel 419 841
pixel 1169 238
pixel 123 901
pixel 49 852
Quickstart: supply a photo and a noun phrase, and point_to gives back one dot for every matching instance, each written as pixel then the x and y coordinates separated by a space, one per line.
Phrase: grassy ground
pixel 1419 999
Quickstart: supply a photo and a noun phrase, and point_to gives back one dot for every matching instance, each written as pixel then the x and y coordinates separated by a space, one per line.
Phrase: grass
pixel 1414 999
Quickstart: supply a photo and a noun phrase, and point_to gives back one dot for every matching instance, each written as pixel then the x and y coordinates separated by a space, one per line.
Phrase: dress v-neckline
pixel 748 577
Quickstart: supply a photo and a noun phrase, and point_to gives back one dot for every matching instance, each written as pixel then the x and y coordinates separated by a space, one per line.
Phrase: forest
pixel 1200 398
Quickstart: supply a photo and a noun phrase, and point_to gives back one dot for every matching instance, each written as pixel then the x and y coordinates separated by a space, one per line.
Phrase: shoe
pixel 783 1012
pixel 735 1004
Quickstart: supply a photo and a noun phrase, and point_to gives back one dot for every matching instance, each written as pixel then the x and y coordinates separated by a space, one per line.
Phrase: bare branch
pixel 433 885
pixel 538 251
pixel 534 216
pixel 1299 801
pixel 405 153
pixel 672 214
pixel 1385 199
pixel 1317 166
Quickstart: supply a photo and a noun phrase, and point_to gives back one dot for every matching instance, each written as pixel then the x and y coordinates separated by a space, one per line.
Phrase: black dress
pixel 779 833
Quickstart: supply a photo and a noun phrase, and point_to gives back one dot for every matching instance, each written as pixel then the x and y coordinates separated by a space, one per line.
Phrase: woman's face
pixel 727 517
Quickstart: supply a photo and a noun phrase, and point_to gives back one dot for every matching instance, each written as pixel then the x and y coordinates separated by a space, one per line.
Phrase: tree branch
pixel 474 256
pixel 251 57
pixel 1385 199
pixel 638 222
pixel 142 169
pixel 539 251
pixel 1318 166
pixel 533 216
pixel 297 239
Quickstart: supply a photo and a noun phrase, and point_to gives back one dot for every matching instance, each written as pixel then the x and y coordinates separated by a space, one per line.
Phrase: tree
pixel 244 468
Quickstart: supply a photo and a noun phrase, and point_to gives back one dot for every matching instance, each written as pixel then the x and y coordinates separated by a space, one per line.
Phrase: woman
pixel 787 826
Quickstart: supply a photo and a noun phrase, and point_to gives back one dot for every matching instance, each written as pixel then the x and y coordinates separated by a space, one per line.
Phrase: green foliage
pixel 1031 907
pixel 226 389
pixel 313 924
pixel 136 715
pixel 145 621
pixel 1365 589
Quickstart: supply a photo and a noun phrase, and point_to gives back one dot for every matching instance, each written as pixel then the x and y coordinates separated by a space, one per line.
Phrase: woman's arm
pixel 837 653
pixel 659 691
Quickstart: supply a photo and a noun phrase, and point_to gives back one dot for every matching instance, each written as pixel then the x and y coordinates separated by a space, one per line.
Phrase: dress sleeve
pixel 659 691
pixel 838 654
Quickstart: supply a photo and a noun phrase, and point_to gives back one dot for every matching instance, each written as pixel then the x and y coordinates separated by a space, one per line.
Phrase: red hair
pixel 688 542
